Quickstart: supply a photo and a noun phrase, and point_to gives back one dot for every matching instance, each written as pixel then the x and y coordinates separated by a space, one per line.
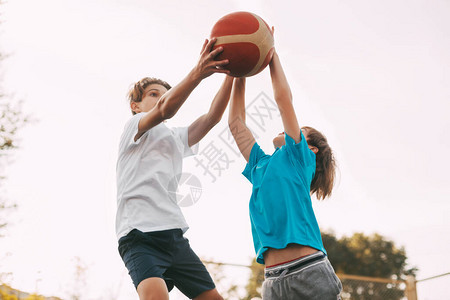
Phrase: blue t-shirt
pixel 281 211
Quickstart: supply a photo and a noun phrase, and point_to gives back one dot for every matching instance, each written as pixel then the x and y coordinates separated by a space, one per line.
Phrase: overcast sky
pixel 372 75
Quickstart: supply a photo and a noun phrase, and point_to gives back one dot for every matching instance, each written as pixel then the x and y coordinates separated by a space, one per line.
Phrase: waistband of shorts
pixel 294 265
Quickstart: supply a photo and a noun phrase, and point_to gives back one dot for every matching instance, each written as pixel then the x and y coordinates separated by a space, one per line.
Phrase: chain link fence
pixel 354 287
pixel 363 288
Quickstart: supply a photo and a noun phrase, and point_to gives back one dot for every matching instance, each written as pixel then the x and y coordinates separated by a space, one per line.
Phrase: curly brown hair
pixel 137 90
pixel 323 181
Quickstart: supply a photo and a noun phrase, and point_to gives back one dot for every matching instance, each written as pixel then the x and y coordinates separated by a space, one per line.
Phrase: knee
pixel 153 297
pixel 209 295
pixel 215 297
pixel 153 289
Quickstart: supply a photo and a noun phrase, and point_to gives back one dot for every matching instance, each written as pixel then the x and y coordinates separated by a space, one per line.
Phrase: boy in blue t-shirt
pixel 285 232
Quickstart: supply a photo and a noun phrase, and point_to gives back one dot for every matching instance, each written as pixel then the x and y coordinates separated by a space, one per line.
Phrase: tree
pixel 12 119
pixel 363 255
pixel 373 256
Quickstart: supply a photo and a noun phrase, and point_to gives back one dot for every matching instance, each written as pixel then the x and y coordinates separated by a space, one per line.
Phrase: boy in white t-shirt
pixel 149 223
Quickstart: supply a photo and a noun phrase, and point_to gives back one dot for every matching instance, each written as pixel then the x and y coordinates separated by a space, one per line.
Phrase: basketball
pixel 247 43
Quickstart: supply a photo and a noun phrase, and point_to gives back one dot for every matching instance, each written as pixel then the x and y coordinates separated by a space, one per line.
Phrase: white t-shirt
pixel 145 169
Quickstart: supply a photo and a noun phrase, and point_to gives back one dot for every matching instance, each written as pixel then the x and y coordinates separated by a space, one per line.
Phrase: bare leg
pixel 153 288
pixel 209 295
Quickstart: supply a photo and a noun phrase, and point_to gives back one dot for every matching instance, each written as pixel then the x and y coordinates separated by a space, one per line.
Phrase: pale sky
pixel 373 76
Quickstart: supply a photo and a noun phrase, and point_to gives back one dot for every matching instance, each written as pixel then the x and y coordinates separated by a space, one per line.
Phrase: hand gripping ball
pixel 247 43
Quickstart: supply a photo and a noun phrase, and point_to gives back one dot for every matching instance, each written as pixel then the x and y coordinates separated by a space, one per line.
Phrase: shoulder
pixel 133 121
pixel 179 130
pixel 131 128
pixel 300 151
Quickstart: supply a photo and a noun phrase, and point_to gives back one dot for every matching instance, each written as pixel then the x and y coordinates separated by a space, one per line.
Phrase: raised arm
pixel 171 101
pixel 200 127
pixel 283 97
pixel 236 119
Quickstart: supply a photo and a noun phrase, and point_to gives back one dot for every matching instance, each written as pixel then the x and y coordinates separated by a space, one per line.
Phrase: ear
pixel 135 107
pixel 314 149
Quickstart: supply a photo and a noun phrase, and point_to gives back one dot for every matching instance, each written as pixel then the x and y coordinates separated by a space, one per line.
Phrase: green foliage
pixel 363 255
pixel 373 256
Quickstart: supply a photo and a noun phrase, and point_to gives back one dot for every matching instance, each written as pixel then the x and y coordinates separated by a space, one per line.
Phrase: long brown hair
pixel 137 91
pixel 323 181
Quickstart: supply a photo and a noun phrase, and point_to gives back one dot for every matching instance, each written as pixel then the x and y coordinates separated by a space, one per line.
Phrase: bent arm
pixel 283 97
pixel 200 127
pixel 169 103
pixel 236 119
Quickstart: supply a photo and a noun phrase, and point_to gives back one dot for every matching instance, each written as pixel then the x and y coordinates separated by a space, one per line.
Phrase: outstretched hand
pixel 207 65
pixel 274 50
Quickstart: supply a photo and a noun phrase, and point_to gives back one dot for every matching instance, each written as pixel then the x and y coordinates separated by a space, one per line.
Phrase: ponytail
pixel 323 181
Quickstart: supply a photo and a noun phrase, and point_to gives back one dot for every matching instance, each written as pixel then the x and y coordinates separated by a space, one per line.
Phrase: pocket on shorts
pixel 127 241
pixel 333 277
pixel 320 280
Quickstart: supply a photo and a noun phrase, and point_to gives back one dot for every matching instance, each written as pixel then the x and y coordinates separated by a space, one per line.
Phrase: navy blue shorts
pixel 165 254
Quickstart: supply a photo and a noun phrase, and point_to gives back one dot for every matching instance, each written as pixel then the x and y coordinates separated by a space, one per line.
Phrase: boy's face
pixel 151 95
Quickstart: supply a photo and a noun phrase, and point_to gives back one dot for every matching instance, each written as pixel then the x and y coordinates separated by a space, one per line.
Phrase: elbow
pixel 168 114
pixel 234 121
pixel 213 123
pixel 165 111
pixel 231 121
pixel 213 118
pixel 232 126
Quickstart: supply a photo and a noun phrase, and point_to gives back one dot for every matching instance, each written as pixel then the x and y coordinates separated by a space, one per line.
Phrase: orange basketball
pixel 247 43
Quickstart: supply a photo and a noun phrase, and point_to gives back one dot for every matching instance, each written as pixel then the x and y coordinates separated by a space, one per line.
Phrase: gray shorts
pixel 310 277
